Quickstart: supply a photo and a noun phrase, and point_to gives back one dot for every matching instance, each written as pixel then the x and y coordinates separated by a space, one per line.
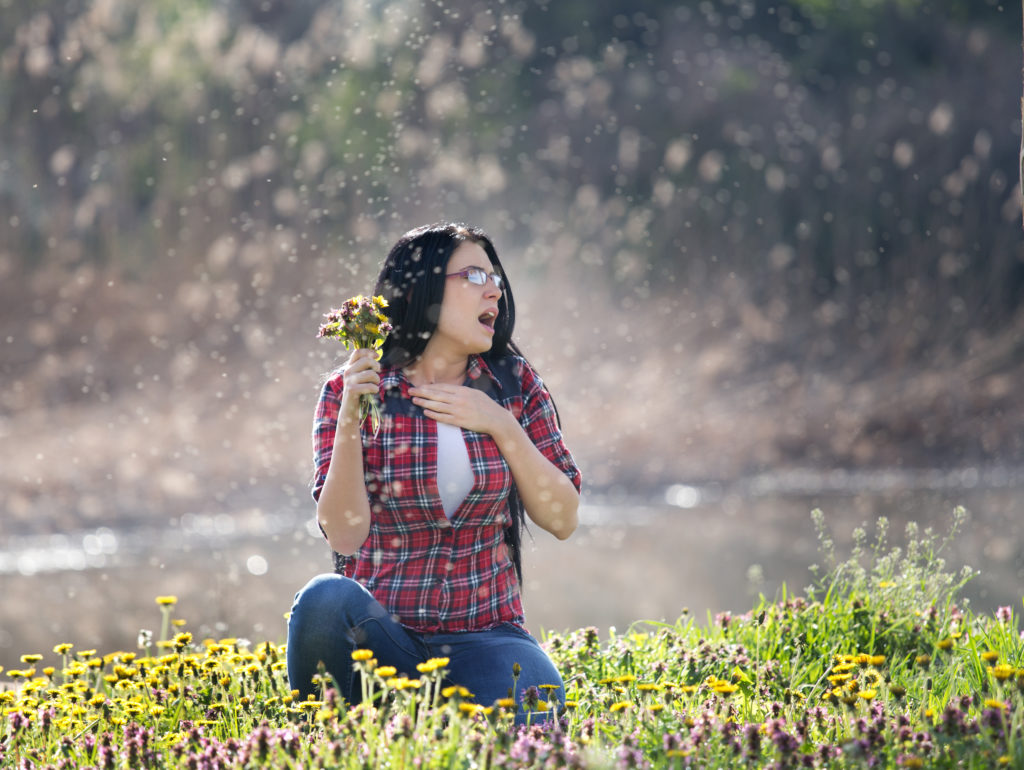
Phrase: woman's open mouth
pixel 487 319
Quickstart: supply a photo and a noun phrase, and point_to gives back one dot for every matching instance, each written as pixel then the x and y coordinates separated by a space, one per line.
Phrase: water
pixel 702 549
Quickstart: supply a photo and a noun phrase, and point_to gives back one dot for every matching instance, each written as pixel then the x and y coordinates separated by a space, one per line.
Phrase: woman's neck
pixel 437 370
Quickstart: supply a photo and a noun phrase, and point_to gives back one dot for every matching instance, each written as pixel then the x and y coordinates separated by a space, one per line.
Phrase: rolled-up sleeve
pixel 540 422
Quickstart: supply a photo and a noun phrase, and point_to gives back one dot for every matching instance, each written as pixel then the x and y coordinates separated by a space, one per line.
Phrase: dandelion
pixel 385 672
pixel 945 644
pixel 361 655
pixel 621 705
pixel 30 659
pixel 990 656
pixel 63 648
pixel 1002 672
pixel 725 688
pixel 992 703
pixel 167 601
pixel 867 695
pixel 431 665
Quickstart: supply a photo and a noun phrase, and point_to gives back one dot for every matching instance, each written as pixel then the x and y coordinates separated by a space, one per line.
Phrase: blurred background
pixel 767 256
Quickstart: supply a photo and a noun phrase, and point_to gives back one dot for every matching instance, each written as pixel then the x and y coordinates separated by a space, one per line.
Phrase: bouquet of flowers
pixel 360 323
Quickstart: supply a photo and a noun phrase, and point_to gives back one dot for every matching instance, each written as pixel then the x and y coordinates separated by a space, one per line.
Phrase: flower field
pixel 876 665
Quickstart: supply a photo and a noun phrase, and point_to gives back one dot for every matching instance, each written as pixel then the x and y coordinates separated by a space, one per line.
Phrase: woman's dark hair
pixel 412 280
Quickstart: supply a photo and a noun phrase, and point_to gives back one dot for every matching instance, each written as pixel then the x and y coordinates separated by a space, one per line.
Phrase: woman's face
pixel 468 311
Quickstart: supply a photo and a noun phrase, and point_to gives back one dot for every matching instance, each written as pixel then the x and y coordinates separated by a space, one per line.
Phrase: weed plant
pixel 876 666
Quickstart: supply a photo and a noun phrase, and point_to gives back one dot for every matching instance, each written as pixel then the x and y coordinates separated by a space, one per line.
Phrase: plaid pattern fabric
pixel 432 574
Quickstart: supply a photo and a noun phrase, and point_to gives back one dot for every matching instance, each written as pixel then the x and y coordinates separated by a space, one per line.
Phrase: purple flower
pixel 1004 614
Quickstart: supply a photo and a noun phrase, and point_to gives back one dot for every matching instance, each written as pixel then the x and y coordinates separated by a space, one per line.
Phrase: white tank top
pixel 454 473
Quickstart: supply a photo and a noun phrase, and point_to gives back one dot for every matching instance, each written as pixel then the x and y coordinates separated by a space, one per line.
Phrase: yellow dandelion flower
pixel 569 704
pixel 990 656
pixel 63 648
pixel 1002 672
pixel 311 705
pixel 992 703
pixel 359 655
pixel 912 762
pixel 30 659
pixel 677 753
pixel 620 706
pixel 433 664
pixel 654 708
pixel 178 622
pixel 877 660
pixel 725 688
pixel 625 679
pixel 474 708
pixel 456 689
pixel 648 687
pixel 182 640
pixel 686 689
pixel 923 660
pixel 505 703
pixel 49 671
pixel 867 694
pixel 944 644
pixel 167 601
pixel 385 672
pixel 1004 760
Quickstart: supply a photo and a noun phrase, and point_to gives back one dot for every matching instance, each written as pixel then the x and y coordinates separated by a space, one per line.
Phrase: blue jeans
pixel 334 615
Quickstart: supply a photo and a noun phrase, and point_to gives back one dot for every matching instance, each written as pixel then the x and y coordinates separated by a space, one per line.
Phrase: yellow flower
pixel 877 660
pixel 167 601
pixel 1001 672
pixel 63 648
pixel 886 584
pixel 867 694
pixel 385 671
pixel 362 654
pixel 505 703
pixel 923 660
pixel 992 703
pixel 182 640
pixel 945 644
pixel 30 659
pixel 459 690
pixel 432 665
pixel 912 762
pixel 990 656
pixel 621 706
pixel 725 688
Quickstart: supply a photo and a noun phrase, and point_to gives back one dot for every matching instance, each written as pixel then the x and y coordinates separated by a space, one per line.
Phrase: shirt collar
pixel 392 377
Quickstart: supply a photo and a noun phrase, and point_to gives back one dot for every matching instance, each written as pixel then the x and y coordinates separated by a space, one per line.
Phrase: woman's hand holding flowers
pixel 362 378
pixel 463 407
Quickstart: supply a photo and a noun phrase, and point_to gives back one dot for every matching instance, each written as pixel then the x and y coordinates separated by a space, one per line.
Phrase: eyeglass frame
pixel 495 278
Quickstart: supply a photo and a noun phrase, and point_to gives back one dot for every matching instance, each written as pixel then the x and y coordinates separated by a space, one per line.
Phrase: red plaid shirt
pixel 432 574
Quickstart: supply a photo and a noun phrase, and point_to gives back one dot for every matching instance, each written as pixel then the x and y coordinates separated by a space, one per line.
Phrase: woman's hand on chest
pixel 464 407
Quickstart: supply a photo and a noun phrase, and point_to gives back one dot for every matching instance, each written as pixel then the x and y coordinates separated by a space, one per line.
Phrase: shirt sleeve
pixel 540 422
pixel 325 423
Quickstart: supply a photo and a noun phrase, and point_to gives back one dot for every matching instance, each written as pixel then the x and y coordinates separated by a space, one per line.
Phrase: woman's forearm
pixel 343 509
pixel 549 496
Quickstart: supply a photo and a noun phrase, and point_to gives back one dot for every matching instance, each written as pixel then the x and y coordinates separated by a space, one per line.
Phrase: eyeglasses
pixel 478 276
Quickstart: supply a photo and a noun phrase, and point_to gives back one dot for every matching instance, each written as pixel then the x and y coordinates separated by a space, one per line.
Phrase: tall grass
pixel 877 666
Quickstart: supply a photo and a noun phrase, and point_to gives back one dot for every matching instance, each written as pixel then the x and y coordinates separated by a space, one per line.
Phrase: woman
pixel 425 517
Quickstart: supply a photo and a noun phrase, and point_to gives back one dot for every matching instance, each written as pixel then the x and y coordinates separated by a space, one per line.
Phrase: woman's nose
pixel 490 290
